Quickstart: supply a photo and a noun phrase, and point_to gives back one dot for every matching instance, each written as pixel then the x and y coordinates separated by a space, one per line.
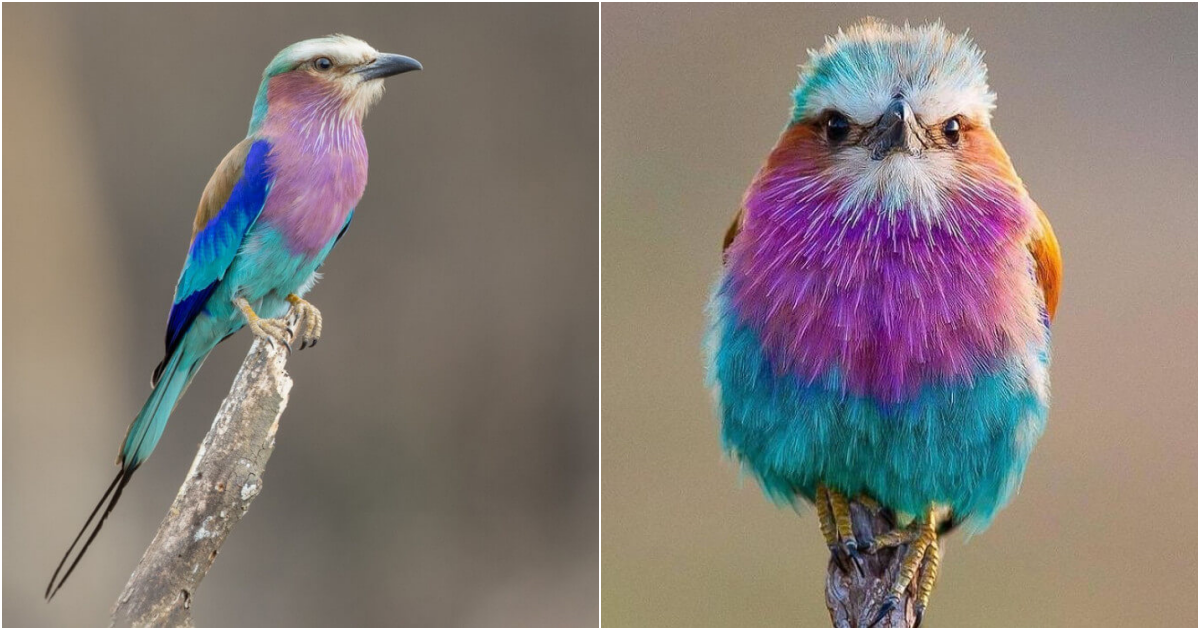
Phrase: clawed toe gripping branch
pixel 224 478
pixel 878 576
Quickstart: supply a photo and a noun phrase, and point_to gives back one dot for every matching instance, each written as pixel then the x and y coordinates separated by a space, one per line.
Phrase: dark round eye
pixel 323 64
pixel 951 129
pixel 837 127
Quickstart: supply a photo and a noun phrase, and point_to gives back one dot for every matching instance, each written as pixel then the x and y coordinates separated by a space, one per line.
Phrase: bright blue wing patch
pixel 183 313
pixel 214 247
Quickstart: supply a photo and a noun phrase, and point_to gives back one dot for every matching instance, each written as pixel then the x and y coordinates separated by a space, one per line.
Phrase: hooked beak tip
pixel 387 65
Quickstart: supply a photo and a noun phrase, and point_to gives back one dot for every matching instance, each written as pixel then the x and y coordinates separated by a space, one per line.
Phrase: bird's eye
pixel 323 64
pixel 951 130
pixel 837 127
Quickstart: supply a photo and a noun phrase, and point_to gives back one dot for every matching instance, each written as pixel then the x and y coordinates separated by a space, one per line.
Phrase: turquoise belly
pixel 961 445
pixel 264 272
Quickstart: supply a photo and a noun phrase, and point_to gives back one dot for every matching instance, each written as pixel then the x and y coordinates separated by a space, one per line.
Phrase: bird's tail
pixel 140 440
pixel 145 430
pixel 118 483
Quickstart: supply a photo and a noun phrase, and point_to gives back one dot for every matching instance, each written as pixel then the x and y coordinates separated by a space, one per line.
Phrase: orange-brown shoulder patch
pixel 799 143
pixel 1044 247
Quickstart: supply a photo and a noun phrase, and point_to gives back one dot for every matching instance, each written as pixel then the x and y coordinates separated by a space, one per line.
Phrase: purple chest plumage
pixel 883 304
pixel 318 162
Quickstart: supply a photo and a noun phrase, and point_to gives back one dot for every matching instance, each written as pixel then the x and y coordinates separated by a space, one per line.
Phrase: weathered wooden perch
pixel 853 596
pixel 225 477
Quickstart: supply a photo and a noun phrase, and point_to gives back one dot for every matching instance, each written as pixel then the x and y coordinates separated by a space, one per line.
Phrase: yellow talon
pixel 912 559
pixel 276 330
pixel 896 537
pixel 840 506
pixel 923 555
pixel 244 307
pixel 828 527
pixel 308 320
pixel 933 560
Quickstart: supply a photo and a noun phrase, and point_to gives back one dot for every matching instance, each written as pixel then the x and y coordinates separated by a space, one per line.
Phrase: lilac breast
pixel 318 161
pixel 884 306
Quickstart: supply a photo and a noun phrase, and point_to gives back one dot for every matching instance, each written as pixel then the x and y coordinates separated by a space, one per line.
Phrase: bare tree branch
pixel 854 596
pixel 225 477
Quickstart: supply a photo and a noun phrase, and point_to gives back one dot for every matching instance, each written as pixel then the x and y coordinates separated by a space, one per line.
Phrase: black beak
pixel 891 130
pixel 387 65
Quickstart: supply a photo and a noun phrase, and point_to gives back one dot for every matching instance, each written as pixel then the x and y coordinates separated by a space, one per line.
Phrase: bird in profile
pixel 270 214
pixel 880 330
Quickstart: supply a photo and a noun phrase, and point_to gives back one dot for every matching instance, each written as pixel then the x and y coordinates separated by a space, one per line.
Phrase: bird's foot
pixel 277 330
pixel 923 557
pixel 307 320
pixel 896 537
pixel 833 509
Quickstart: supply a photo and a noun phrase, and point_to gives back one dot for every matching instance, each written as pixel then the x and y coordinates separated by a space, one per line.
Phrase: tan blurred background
pixel 437 462
pixel 1097 109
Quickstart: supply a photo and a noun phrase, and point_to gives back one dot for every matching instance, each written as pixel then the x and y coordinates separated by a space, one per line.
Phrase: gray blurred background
pixel 1097 107
pixel 437 463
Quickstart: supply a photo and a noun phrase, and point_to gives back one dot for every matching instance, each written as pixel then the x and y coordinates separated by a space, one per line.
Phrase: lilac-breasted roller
pixel 275 206
pixel 881 327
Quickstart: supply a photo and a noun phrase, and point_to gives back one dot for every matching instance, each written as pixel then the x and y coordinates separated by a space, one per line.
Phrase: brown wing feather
pixel 220 185
pixel 734 229
pixel 1044 247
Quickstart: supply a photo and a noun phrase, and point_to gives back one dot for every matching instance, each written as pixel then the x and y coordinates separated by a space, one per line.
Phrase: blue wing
pixel 231 203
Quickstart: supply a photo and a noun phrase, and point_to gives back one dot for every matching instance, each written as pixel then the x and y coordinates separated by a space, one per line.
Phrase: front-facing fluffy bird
pixel 269 216
pixel 881 325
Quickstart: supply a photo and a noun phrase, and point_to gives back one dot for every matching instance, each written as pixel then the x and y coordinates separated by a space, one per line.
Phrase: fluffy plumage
pixel 882 321
pixel 270 214
pixel 859 71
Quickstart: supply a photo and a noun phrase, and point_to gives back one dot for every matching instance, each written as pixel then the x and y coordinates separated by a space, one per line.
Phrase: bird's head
pixel 898 117
pixel 337 75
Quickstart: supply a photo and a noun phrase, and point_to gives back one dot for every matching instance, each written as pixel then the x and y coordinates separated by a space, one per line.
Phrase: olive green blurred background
pixel 1097 107
pixel 437 463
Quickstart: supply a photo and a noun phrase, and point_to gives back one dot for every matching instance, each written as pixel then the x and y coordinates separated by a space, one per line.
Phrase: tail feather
pixel 140 440
pixel 118 483
pixel 145 431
